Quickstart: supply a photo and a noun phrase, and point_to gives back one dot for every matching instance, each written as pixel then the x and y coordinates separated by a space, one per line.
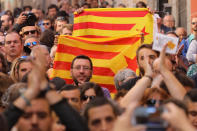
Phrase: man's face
pixel 101 118
pixel 73 97
pixel 194 24
pixel 52 13
pixel 46 24
pixel 65 31
pixel 81 71
pixel 24 68
pixel 2 44
pixel 37 117
pixel 36 13
pixel 146 53
pixel 60 25
pixel 13 45
pixel 192 108
pixel 182 34
pixel 169 21
pixel 29 30
pixel 5 21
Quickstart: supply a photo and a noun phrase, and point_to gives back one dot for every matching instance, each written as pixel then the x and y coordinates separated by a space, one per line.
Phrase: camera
pixel 150 117
pixel 31 19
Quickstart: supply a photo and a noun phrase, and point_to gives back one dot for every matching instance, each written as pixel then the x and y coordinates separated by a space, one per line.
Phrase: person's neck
pixel 11 59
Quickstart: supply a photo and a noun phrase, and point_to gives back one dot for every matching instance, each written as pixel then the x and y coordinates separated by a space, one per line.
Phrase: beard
pixel 77 82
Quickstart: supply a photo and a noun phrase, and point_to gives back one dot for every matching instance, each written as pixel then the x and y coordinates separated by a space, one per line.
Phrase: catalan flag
pixel 107 54
pixel 107 22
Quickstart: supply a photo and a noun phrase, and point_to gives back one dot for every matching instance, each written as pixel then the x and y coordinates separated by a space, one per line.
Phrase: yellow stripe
pixel 110 20
pixel 98 79
pixel 94 47
pixel 68 58
pixel 98 32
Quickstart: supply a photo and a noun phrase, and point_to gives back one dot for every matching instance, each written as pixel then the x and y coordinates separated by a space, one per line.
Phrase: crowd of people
pixel 30 101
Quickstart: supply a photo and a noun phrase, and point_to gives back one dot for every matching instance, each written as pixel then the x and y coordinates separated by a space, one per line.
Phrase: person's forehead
pixel 28 28
pixel 52 9
pixel 25 64
pixel 46 21
pixel 81 62
pixel 12 36
pixel 38 105
pixel 31 40
pixel 192 106
pixel 194 19
pixel 100 112
pixel 146 51
pixel 60 22
pixel 4 17
pixel 71 93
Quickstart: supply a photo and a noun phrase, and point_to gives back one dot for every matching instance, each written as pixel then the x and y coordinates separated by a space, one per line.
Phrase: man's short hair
pixel 101 101
pixel 53 6
pixel 122 75
pixel 82 57
pixel 69 87
pixel 14 31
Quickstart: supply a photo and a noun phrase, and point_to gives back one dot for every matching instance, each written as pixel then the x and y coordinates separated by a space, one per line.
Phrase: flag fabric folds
pixel 107 54
pixel 107 22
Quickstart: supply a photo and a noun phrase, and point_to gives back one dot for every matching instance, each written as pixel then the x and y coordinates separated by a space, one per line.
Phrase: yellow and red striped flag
pixel 107 22
pixel 107 54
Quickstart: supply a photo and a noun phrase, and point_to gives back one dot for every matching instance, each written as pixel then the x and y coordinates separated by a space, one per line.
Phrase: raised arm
pixel 175 88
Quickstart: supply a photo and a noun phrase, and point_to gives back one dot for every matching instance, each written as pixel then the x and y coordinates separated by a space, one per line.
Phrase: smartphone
pixel 150 117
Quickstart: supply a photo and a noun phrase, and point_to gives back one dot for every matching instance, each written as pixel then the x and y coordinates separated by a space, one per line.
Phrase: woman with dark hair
pixel 89 91
pixel 3 64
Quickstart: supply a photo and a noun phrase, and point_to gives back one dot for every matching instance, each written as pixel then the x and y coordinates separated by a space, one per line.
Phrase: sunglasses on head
pixel 45 23
pixel 86 97
pixel 31 43
pixel 152 102
pixel 28 32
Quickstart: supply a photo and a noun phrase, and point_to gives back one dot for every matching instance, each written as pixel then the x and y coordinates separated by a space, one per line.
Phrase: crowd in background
pixel 31 101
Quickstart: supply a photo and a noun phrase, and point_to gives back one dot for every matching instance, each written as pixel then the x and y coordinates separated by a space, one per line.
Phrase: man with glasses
pixel 30 30
pixel 46 23
pixel 13 47
pixel 168 24
pixel 82 70
pixel 59 23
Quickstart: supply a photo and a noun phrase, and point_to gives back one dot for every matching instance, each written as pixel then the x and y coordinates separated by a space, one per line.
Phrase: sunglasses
pixel 85 98
pixel 45 23
pixel 194 23
pixel 31 43
pixel 28 32
pixel 152 102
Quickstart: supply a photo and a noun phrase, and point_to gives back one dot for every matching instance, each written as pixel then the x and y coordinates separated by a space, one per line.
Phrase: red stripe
pixel 92 54
pixel 111 88
pixel 103 26
pixel 119 41
pixel 61 65
pixel 114 13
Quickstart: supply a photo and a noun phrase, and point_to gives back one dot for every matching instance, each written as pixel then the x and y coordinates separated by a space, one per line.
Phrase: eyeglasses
pixel 31 43
pixel 84 98
pixel 83 67
pixel 31 31
pixel 152 102
pixel 45 23
pixel 194 23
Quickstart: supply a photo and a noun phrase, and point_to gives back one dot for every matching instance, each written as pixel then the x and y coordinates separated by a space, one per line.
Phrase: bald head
pixel 169 21
pixel 181 32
